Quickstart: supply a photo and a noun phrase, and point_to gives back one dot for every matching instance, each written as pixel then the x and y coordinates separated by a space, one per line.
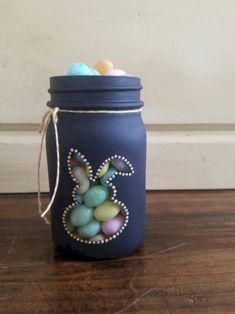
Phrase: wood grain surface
pixel 185 265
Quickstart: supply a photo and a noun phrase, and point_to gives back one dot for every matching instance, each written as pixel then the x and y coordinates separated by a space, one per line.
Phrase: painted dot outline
pixel 93 179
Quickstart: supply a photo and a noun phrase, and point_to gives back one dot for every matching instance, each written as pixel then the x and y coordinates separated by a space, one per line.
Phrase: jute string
pixel 52 114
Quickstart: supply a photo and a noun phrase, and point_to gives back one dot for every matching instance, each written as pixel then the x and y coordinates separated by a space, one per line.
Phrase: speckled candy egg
pixel 81 215
pixel 112 226
pixel 106 211
pixel 89 230
pixel 115 72
pixel 103 66
pixel 96 195
pixel 79 69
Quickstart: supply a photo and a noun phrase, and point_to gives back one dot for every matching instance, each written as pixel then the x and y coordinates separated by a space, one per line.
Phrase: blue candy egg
pixel 79 198
pixel 90 230
pixel 79 69
pixel 81 215
pixel 78 156
pixel 111 172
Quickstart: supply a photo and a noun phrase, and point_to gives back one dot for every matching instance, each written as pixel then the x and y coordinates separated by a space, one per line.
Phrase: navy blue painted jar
pixel 102 142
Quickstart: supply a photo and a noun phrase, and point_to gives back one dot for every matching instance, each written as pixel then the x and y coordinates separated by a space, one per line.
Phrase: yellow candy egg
pixel 103 66
pixel 104 169
pixel 106 211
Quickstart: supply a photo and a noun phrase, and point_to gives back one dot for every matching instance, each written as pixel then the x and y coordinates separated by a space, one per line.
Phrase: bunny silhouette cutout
pixel 96 216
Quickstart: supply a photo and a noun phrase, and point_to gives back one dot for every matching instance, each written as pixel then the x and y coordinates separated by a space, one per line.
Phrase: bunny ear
pixel 80 170
pixel 122 165
pixel 113 166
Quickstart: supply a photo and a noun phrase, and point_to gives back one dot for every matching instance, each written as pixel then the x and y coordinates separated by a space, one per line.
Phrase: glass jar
pixel 99 208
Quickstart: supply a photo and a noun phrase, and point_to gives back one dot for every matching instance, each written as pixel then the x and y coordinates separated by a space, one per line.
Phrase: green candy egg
pixel 96 195
pixel 89 230
pixel 106 211
pixel 81 215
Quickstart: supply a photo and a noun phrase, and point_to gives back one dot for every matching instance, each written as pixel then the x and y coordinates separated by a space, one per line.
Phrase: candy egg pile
pixel 96 216
pixel 101 67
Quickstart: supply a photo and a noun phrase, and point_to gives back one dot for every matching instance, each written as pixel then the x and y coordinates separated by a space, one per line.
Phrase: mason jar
pixel 99 208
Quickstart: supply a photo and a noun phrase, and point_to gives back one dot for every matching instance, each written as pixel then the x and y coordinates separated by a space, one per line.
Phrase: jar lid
pixel 95 92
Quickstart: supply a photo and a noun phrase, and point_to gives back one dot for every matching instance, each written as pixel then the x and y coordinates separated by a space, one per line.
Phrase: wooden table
pixel 185 265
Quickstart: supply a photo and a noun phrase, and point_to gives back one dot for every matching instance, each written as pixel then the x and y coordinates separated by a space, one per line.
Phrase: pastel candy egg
pixel 77 161
pixel 79 198
pixel 103 66
pixel 104 169
pixel 79 173
pixel 73 163
pixel 98 237
pixel 96 195
pixel 120 165
pixel 107 175
pixel 106 211
pixel 79 69
pixel 112 226
pixel 77 156
pixel 89 230
pixel 94 71
pixel 81 176
pixel 81 215
pixel 83 187
pixel 115 72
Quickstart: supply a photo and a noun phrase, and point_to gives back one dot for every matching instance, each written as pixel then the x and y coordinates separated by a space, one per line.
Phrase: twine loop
pixel 52 113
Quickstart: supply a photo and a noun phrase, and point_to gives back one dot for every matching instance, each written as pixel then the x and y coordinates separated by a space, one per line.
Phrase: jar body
pixel 102 149
pixel 98 137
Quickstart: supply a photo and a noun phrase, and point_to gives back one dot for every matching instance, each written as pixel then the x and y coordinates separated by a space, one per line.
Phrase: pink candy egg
pixel 115 72
pixel 112 226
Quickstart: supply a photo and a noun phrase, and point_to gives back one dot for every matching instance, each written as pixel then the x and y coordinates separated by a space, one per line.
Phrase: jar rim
pixel 93 82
